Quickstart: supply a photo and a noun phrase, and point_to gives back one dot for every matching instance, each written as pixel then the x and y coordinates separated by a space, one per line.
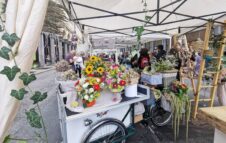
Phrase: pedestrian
pixel 78 64
pixel 161 52
pixel 198 59
pixel 176 53
pixel 70 56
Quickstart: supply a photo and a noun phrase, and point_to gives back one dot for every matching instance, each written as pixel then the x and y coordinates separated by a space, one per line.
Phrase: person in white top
pixel 78 63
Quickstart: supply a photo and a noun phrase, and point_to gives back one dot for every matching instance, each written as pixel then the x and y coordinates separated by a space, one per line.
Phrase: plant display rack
pixel 216 73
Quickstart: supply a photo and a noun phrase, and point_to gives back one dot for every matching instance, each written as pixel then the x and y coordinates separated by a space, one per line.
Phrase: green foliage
pixel 27 79
pixel 10 72
pixel 179 105
pixel 7 139
pixel 139 30
pixel 4 53
pixel 19 94
pixel 148 18
pixel 11 39
pixel 3 6
pixel 1 28
pixel 38 97
pixel 34 118
pixel 22 141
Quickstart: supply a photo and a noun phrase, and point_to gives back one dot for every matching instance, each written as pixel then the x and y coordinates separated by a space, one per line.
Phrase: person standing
pixel 176 53
pixel 70 60
pixel 78 64
pixel 161 52
pixel 144 59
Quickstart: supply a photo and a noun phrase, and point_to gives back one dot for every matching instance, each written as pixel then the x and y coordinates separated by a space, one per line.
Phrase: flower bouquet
pixel 132 79
pixel 70 75
pixel 88 89
pixel 94 67
pixel 179 89
pixel 116 80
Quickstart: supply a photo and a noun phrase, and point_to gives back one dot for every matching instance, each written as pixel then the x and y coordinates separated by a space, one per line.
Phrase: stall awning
pixel 164 16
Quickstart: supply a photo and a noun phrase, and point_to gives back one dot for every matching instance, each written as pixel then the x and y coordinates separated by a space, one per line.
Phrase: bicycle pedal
pixel 144 123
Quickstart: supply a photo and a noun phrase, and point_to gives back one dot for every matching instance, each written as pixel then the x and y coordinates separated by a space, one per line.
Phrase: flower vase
pixel 87 104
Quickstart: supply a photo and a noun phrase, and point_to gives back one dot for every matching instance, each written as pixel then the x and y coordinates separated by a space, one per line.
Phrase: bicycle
pixel 156 113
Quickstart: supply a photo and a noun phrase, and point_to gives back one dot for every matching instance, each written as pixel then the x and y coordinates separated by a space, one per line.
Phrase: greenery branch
pixel 35 119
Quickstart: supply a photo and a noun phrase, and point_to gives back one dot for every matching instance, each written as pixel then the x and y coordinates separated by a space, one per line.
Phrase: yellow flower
pixel 93 58
pixel 100 70
pixel 99 59
pixel 92 81
pixel 89 69
pixel 97 94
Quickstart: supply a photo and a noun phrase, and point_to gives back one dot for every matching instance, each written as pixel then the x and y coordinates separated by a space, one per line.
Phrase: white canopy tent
pixel 120 16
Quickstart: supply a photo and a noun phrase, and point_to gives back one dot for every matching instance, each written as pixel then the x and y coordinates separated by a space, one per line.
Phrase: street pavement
pixel 199 132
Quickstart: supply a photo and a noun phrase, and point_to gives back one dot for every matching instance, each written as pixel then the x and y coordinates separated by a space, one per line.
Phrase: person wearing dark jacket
pixel 161 52
pixel 144 59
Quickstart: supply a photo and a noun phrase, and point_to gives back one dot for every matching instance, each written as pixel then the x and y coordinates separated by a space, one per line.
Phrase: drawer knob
pixel 88 122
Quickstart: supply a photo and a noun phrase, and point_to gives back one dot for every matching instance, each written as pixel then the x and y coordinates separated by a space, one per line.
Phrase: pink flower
pixel 108 81
pixel 115 66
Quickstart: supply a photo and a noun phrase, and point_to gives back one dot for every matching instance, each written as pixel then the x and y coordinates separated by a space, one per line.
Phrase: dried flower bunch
pixel 62 66
pixel 70 75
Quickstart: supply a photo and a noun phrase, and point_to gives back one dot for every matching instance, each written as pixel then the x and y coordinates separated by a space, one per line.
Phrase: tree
pixel 56 18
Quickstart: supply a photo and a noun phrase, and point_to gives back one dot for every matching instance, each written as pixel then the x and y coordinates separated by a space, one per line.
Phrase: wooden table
pixel 216 116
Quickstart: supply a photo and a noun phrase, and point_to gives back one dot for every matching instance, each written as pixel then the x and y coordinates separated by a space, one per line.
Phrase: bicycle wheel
pixel 159 116
pixel 106 131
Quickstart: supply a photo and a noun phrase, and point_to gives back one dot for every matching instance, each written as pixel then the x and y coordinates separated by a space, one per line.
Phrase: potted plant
pixel 132 79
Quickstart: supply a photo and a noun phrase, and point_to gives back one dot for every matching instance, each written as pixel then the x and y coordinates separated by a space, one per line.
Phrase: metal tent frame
pixel 156 11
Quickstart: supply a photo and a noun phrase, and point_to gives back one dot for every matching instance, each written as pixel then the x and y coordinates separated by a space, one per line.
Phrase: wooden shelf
pixel 207 86
pixel 202 100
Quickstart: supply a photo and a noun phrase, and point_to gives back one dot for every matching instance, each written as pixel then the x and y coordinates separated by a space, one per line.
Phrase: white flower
pixel 85 85
pixel 91 90
pixel 98 80
pixel 91 96
pixel 102 85
pixel 86 97
pixel 82 80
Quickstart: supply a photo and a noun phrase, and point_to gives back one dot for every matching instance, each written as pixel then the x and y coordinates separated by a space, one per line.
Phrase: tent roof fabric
pixel 119 16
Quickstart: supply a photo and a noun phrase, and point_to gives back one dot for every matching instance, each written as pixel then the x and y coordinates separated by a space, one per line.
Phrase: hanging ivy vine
pixel 33 115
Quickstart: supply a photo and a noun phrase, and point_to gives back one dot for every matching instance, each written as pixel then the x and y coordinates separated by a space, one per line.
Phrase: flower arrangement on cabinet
pixel 116 78
pixel 94 67
pixel 88 89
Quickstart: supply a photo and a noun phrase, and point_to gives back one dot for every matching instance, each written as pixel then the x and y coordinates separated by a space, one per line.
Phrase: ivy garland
pixel 34 115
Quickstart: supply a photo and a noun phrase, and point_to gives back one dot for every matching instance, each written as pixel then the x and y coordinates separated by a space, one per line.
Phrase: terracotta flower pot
pixel 89 104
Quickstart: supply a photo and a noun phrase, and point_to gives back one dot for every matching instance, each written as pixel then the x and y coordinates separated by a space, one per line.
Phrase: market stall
pixel 75 125
pixel 141 19
pixel 96 98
